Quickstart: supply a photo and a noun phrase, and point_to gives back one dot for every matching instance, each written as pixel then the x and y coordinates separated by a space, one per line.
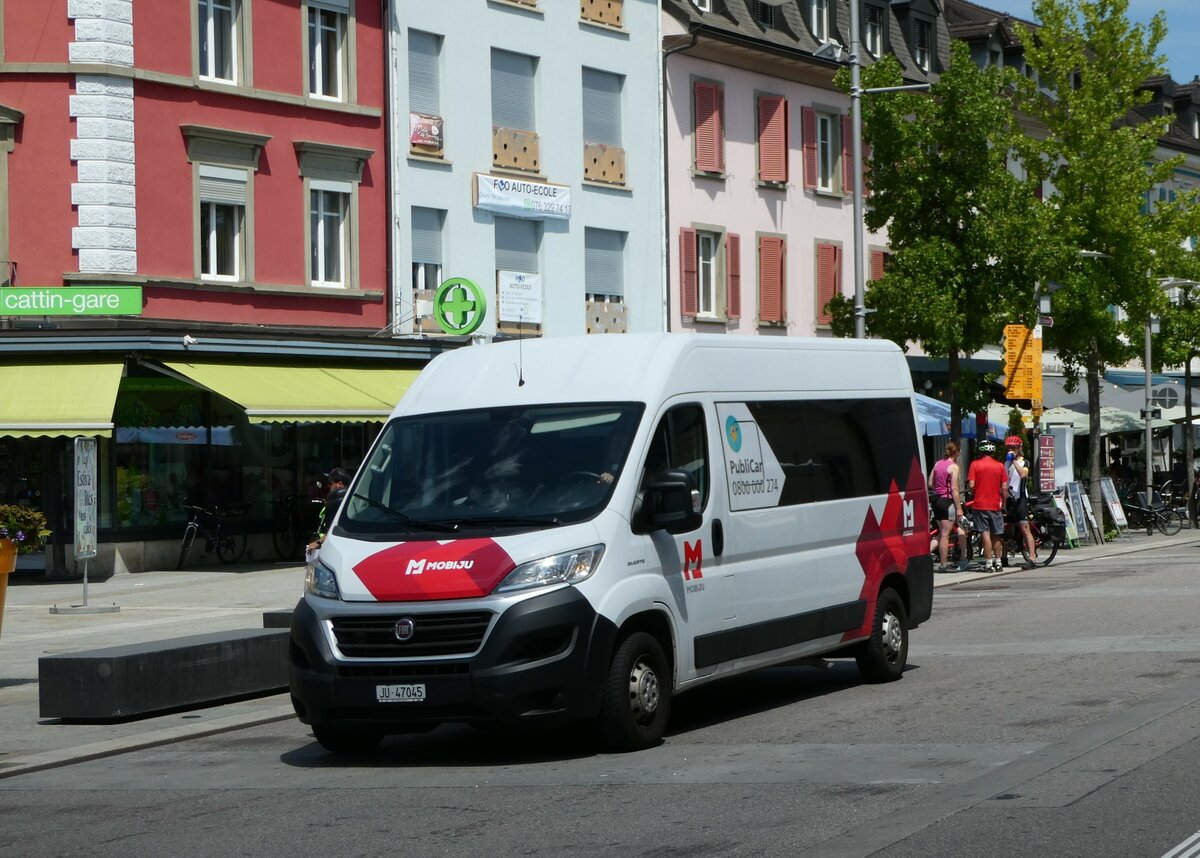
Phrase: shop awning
pixel 284 393
pixel 58 398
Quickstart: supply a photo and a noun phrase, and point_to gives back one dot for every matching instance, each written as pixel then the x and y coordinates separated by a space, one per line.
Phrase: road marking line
pixel 1184 850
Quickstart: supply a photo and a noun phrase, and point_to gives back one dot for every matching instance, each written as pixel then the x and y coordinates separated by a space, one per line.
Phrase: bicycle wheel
pixel 1046 547
pixel 189 536
pixel 231 544
pixel 1168 521
pixel 283 536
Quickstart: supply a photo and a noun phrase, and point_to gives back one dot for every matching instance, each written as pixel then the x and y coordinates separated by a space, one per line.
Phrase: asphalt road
pixel 1054 712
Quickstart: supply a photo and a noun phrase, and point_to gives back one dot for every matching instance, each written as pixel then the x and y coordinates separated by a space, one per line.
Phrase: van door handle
pixel 718 537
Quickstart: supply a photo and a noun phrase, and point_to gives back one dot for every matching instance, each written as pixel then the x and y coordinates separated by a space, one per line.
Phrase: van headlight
pixel 320 581
pixel 570 567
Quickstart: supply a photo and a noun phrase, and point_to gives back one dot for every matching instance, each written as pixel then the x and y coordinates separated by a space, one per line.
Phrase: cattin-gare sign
pixel 71 301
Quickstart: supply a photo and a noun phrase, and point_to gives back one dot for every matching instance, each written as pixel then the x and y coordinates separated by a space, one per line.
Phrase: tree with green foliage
pixel 962 229
pixel 1179 342
pixel 1090 65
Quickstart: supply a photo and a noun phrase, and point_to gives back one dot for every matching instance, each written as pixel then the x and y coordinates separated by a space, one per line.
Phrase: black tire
pixel 231 544
pixel 189 536
pixel 884 654
pixel 1047 547
pixel 636 702
pixel 1168 521
pixel 337 740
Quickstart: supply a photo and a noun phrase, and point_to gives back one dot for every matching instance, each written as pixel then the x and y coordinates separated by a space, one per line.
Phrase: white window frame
pixel 316 51
pixel 708 252
pixel 818 14
pixel 873 31
pixel 318 189
pixel 206 18
pixel 923 57
pixel 209 260
pixel 703 5
pixel 1196 125
pixel 827 151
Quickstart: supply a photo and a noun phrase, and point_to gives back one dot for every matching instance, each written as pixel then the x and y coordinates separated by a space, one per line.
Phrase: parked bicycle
pixel 1147 515
pixel 294 522
pixel 228 541
pixel 1047 525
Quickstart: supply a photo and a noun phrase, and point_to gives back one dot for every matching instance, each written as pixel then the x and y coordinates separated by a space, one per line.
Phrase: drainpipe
pixel 693 36
pixel 391 181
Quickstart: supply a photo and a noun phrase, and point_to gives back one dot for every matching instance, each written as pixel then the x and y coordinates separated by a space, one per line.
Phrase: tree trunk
pixel 1094 439
pixel 1189 456
pixel 952 382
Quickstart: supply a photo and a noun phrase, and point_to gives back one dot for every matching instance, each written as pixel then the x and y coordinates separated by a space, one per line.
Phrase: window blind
pixel 427 234
pixel 516 245
pixel 601 107
pixel 423 49
pixel 603 262
pixel 512 90
pixel 222 185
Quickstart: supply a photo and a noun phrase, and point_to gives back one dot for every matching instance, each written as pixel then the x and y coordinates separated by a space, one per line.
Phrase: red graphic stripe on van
pixel 886 544
pixel 425 571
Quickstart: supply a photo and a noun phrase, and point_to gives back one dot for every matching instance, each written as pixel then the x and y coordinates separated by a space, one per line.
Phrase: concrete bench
pixel 135 680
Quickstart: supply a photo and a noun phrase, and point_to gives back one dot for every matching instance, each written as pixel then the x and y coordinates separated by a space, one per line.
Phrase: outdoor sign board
pixel 522 198
pixel 1097 531
pixel 70 301
pixel 425 130
pixel 459 306
pixel 1109 492
pixel 1075 501
pixel 85 498
pixel 520 297
pixel 1022 363
pixel 1061 503
pixel 1046 463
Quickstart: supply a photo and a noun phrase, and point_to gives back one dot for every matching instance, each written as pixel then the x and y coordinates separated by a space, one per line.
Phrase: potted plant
pixel 22 531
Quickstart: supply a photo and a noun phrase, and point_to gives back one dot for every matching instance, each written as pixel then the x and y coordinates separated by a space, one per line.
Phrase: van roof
pixel 650 368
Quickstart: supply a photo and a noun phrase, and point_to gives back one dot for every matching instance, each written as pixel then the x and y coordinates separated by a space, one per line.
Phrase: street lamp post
pixel 1151 328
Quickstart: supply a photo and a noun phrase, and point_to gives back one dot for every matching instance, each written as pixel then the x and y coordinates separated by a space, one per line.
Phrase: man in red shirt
pixel 988 480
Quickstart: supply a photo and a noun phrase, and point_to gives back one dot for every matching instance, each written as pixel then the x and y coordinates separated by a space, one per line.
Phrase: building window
pixel 873 30
pixel 708 101
pixel 923 44
pixel 217 31
pixel 703 5
pixel 707 246
pixel 995 58
pixel 427 248
pixel 604 264
pixel 818 17
pixel 424 52
pixel 512 90
pixel 603 154
pixel 326 50
pixel 820 131
pixel 516 245
pixel 772 139
pixel 772 278
pixel 764 13
pixel 329 203
pixel 704 293
pixel 829 279
pixel 826 151
pixel 223 193
pixel 1196 125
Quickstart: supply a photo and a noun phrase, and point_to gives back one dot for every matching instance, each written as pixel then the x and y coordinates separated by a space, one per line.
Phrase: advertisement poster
pixel 1109 492
pixel 521 198
pixel 520 298
pixel 85 498
pixel 424 130
pixel 1075 502
pixel 1046 463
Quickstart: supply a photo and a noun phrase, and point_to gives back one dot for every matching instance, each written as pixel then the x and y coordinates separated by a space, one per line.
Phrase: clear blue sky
pixel 1183 28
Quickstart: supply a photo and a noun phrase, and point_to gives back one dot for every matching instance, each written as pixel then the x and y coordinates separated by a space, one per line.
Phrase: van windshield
pixel 512 469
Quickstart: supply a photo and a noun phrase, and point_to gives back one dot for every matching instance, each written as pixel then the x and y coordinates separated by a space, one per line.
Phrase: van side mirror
pixel 671 502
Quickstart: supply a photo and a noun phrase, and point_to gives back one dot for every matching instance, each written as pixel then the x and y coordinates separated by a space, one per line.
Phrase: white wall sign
pixel 520 298
pixel 521 198
pixel 85 498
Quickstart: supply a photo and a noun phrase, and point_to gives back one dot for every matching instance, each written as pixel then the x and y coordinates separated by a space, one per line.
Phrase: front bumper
pixel 542 658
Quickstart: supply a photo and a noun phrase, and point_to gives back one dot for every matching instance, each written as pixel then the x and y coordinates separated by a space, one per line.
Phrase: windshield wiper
pixel 440 527
pixel 500 520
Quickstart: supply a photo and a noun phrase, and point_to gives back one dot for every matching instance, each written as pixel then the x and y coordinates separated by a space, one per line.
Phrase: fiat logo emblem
pixel 405 628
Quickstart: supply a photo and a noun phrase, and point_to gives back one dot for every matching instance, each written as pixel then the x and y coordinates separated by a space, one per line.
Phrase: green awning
pixel 286 393
pixel 58 398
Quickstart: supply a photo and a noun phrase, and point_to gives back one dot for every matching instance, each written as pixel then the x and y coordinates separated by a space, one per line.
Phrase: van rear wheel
pixel 885 652
pixel 637 695
pixel 338 740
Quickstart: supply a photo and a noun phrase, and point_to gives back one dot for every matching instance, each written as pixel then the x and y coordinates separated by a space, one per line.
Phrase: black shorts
pixel 1017 509
pixel 943 509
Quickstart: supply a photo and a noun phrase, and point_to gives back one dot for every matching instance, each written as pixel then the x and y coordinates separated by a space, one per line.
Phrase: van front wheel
pixel 884 654
pixel 637 695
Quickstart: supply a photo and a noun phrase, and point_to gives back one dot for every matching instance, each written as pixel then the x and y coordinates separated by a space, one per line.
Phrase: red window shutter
pixel 733 275
pixel 710 129
pixel 772 139
pixel 771 261
pixel 829 279
pixel 808 131
pixel 689 281
pixel 877 261
pixel 847 156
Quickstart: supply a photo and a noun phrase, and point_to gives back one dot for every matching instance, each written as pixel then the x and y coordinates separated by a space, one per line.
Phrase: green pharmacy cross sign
pixel 459 306
pixel 71 301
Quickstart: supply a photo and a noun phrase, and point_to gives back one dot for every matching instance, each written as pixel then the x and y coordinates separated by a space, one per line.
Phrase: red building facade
pixel 228 157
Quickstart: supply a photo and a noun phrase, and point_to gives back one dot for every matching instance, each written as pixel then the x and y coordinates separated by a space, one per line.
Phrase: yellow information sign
pixel 1022 363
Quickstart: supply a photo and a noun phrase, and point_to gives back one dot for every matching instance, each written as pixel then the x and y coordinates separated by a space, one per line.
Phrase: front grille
pixel 458 633
pixel 403 671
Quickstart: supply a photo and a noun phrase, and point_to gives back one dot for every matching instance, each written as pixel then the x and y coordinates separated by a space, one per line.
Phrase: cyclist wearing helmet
pixel 988 480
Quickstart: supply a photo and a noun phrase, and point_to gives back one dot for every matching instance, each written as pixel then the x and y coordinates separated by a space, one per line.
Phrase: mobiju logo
pixel 417 567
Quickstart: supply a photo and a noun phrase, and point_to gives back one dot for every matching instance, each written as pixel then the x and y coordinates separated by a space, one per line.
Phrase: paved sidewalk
pixel 159 605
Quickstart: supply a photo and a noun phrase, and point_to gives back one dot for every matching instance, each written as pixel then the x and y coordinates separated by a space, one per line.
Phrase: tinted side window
pixel 680 442
pixel 838 448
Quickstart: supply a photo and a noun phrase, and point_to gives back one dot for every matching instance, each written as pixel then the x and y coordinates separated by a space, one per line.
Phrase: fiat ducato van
pixel 583 528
